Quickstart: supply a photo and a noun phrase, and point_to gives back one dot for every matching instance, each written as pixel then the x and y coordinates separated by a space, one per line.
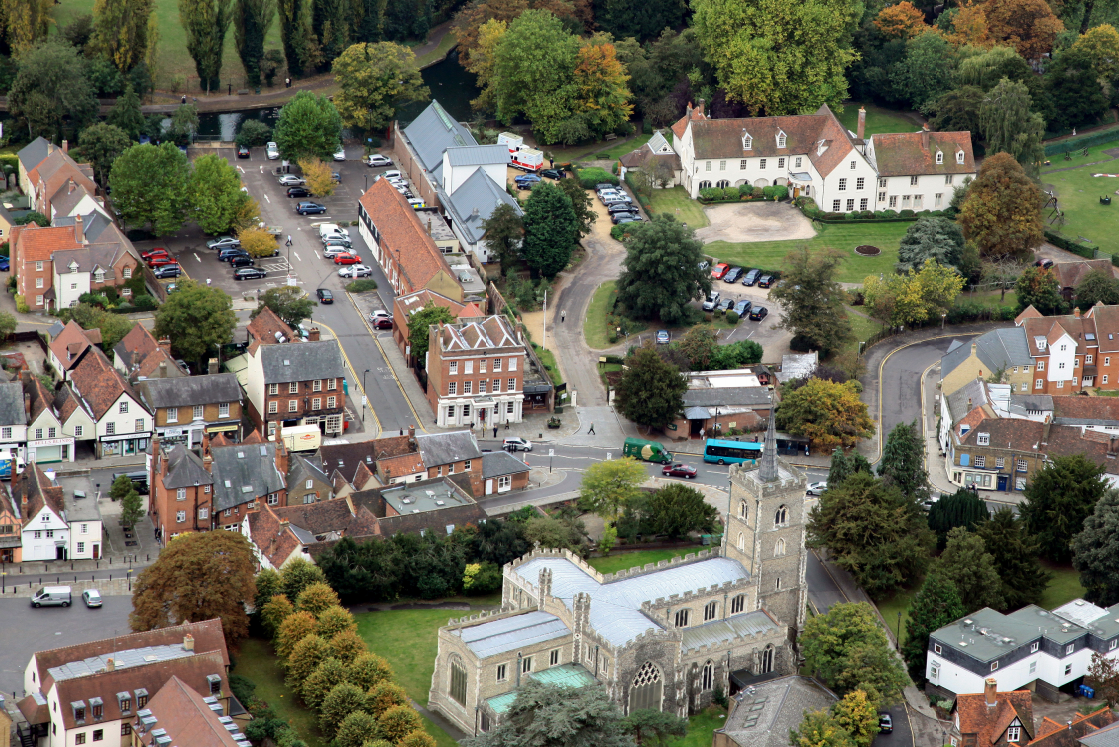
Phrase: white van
pixel 330 229
pixel 417 203
pixel 51 596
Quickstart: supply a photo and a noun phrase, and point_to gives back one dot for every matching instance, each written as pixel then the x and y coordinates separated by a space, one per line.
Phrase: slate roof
pixel 403 237
pixel 999 348
pixel 98 383
pixel 68 196
pixel 185 469
pixel 431 133
pixel 345 457
pixel 12 410
pixel 511 633
pixel 750 396
pixel 445 448
pixel 208 389
pixel 478 155
pixel 1069 274
pixel 975 391
pixel 244 472
pixel 187 718
pixel 1108 736
pixel 498 463
pixel 478 192
pixel 32 154
pixel 302 361
pixel 1076 410
pixel 301 469
pixel 988 724
pixel 765 716
pixel 909 153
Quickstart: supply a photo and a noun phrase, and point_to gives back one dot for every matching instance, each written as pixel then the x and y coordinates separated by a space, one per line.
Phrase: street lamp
pixel 364 396
pixel 897 640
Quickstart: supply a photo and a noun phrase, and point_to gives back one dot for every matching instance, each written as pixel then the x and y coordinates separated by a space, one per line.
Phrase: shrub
pixel 887 214
pixel 850 216
pixel 342 700
pixel 347 646
pixel 316 599
pixel 242 688
pixel 254 133
pixel 588 178
pixel 145 303
pixel 745 190
pixel 335 620
pixel 780 192
pixel 398 722
pixel 907 213
pixel 21 305
pixel 767 192
pixel 867 214
pixel 647 127
pixel 361 285
pixel 710 193
pixel 732 317
pixel 383 696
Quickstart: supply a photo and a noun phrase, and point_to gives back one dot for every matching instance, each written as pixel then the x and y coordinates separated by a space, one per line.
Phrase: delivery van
pixel 51 596
pixel 649 451
pixel 10 464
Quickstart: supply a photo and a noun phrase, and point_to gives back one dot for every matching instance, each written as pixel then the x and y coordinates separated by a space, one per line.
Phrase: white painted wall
pixel 125 422
pixel 36 544
pixel 87 534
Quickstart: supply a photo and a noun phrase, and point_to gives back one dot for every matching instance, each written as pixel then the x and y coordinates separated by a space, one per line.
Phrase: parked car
pixel 624 217
pixel 622 220
pixel 725 304
pixel 390 174
pixel 816 488
pixel 742 308
pixel 732 275
pixel 620 207
pixel 249 273
pixel 355 271
pixel 227 254
pixel 340 154
pixel 340 242
pixel 221 242
pixel 298 192
pixel 326 229
pixel 885 723
pixel 5 263
pixel 751 277
pixel 243 152
pixel 556 174
pixel 324 295
pixel 346 259
pixel 272 151
pixel 382 322
pixel 168 271
pixel 516 443
pixel 758 313
pixel 604 187
pixel 522 178
pixel 149 253
pixel 765 281
pixel 92 598
pixel 719 270
pixel 712 299
pixel 662 337
pixel 160 261
pixel 679 470
pixel 241 260
pixel 308 208
pixel 291 180
pixel 1044 264
pixel 331 252
pixel 51 596
pixel 704 265
pixel 378 312
pixel 378 160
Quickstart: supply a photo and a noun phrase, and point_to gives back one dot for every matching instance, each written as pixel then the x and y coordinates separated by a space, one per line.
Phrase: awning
pixel 801 176
pixel 697 413
pixel 216 428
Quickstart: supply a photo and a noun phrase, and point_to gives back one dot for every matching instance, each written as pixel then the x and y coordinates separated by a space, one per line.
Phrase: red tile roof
pixel 1054 734
pixel 31 491
pixel 37 243
pixel 142 355
pixel 398 466
pixel 908 153
pixel 70 343
pixel 99 384
pixel 274 539
pixel 989 724
pixel 187 718
pixel 263 329
pixel 1069 274
pixel 1107 327
pixel 694 115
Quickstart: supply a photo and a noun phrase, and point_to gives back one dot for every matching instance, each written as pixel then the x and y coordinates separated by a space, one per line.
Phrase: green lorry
pixel 649 451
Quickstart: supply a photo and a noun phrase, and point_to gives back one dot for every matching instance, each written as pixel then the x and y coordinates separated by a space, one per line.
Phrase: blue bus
pixel 731 452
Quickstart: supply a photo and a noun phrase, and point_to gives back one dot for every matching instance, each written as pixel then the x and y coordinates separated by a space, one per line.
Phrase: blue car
pixel 523 178
pixel 5 263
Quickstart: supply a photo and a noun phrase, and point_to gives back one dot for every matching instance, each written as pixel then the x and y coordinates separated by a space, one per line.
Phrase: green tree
pixel 273 614
pixel 251 21
pixel 198 576
pixel 368 670
pixel 383 696
pixel 298 40
pixel 306 655
pixel 936 604
pixel 120 31
pixel 829 414
pixel 121 487
pixel 903 460
pixel 150 185
pixel 931 238
pixel 550 229
pixel 197 319
pixel 374 80
pixel 554 532
pixel 609 486
pixel 215 193
pixel 292 629
pixel 316 598
pixel 317 685
pixel 848 649
pixel 643 21
pixel 736 355
pixel 545 715
pixel 253 133
pixel 1095 551
pixel 858 715
pixel 131 508
pixel 753 47
pixel 581 204
pixel 927 71
pixel 309 125
pixel 504 232
pixel 961 509
pixel 843 466
pixel 653 727
pixel 341 701
pixel 1058 500
pixel 292 305
pixel 651 391
pixel 912 297
pixel 1097 287
pixel 297 575
pixel 1015 554
pixel 820 729
pixel 113 327
pixel 1040 288
pixel 957 111
pixel 205 23
pixel 1002 210
pixel 700 345
pixel 971 569
pixel 346 645
pixel 419 324
pixel 1103 677
pixel 677 510
pixel 184 124
pixel 335 620
pixel 812 301
pixel 660 273
pixel 874 532
pixel 51 88
pixel 1010 127
pixel 126 114
pixel 267 586
pixel 1074 88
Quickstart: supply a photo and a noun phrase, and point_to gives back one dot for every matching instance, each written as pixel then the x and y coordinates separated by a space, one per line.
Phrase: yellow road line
pixel 924 414
pixel 357 380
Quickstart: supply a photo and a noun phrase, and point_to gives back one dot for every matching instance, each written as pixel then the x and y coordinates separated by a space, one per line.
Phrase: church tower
pixel 766 532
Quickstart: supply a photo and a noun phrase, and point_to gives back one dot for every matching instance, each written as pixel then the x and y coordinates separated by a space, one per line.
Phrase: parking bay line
pixel 297 256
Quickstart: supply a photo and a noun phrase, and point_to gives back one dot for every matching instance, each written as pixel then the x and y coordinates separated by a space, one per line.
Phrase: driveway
pixel 754 221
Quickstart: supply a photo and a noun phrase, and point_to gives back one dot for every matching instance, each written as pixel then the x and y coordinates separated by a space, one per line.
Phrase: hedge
pixel 592 176
pixel 1079 143
pixel 1084 249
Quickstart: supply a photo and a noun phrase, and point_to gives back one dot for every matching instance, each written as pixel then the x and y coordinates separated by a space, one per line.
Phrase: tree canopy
pixel 1015 555
pixel 651 391
pixel 931 238
pixel 936 604
pixel 196 318
pixel 829 414
pixel 419 334
pixel 52 86
pixel 151 187
pixel 1095 551
pixel 610 485
pixel 550 227
pixel 309 125
pixel 546 715
pixel 971 569
pixel 374 79
pixel 849 651
pixel 215 193
pixel 1002 210
pixel 1058 500
pixel 812 301
pixel 660 273
pixel 292 305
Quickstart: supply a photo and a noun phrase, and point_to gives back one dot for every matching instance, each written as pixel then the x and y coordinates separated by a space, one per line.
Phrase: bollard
pixel 71 565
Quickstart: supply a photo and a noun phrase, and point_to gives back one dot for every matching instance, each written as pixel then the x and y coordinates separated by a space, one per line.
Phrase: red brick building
pixel 993 719
pixel 476 372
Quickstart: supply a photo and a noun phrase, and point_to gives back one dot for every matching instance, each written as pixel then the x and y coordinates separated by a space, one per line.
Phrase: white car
pixel 377 160
pixel 340 155
pixel 355 271
pixel 816 488
pixel 325 229
pixel 91 597
pixel 272 151
pixel 333 251
pixel 291 180
pixel 376 313
pixel 391 174
pixel 516 443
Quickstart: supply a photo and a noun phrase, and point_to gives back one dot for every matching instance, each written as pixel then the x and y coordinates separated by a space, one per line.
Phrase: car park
pixel 662 337
pixel 291 180
pixel 340 154
pixel 885 723
pixel 310 208
pixel 732 275
pixel 243 152
pixel 391 174
pixel 719 270
pixel 679 470
pixel 516 443
pixel 168 271
pixel 620 218
pixel 346 259
pixel 355 271
pixel 712 299
pixel 556 174
pixel 298 192
pixel 816 488
pixel 227 254
pixel 758 313
pixel 92 598
pixel 249 273
pixel 324 295
pixel 382 322
pixel 148 254
pixel 725 304
pixel 326 229
pixel 272 151
pixel 160 261
pixel 241 260
pixel 742 308
pixel 765 281
pixel 751 277
pixel 378 160
pixel 221 242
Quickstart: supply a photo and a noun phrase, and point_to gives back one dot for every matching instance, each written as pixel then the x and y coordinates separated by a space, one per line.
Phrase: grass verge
pixel 548 358
pixel 257 662
pixel 676 202
pixel 890 608
pixel 595 330
pixel 622 560
pixel 861 326
pixel 878 119
pixel 439 53
pixel 701 727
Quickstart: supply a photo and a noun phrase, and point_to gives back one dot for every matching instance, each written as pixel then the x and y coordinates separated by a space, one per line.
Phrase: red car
pixel 679 470
pixel 719 270
pixel 146 255
pixel 161 260
pixel 382 322
pixel 347 259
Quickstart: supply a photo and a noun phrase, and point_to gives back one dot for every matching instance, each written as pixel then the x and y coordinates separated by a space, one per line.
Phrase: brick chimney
pixel 925 137
pixel 165 343
pixel 1045 431
pixel 79 232
pixel 163 369
pixel 699 106
pixel 110 664
pixel 212 366
pixel 313 334
pixel 1076 312
pixel 990 687
pixel 284 523
pixel 862 123
pixel 688 112
pixel 65 146
pixel 188 642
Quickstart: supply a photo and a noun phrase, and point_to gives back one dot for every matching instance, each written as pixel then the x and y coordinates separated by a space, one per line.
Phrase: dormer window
pixel 215 683
pixel 99 276
pixel 79 711
pixel 73 267
pixel 959 156
pixel 141 697
pixel 124 700
pixel 984 439
pixel 939 157
pixel 747 141
pixel 780 140
pixel 98 708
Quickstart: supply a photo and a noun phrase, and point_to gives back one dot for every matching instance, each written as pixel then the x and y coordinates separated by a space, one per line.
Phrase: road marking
pixel 266 198
pixel 419 420
pixel 241 169
pixel 197 257
pixel 357 381
pixel 297 256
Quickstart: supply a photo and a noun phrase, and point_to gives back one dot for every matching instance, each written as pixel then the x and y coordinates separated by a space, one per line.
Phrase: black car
pixel 307 208
pixel 342 241
pixel 758 313
pixel 751 277
pixel 249 273
pixel 298 192
pixel 242 151
pixel 732 275
pixel 242 260
pixel 620 207
pixel 556 174
pixel 227 254
pixel 725 304
pixel 168 271
pixel 765 281
pixel 325 296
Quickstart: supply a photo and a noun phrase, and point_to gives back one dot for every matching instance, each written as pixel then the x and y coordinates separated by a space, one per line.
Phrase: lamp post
pixel 364 396
pixel 897 641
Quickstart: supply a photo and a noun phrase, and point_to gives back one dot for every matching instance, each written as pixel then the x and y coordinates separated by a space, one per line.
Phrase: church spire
pixel 768 469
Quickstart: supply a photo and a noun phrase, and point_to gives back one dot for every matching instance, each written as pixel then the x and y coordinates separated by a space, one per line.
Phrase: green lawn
pixel 548 358
pixel 861 326
pixel 676 202
pixel 594 326
pixel 439 52
pixel 989 298
pixel 257 662
pixel 878 120
pixel 701 727
pixel 898 603
pixel 621 560
pixel 770 255
pixel 1079 192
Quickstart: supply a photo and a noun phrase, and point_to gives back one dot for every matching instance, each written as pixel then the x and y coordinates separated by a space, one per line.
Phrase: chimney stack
pixel 212 366
pixel 27 403
pixel 1076 312
pixel 165 343
pixel 990 686
pixel 925 137
pixel 188 642
pixel 163 369
pixel 65 146
pixel 313 334
pixel 699 106
pixel 284 523
pixel 688 111
pixel 79 233
pixel 862 123
pixel 110 664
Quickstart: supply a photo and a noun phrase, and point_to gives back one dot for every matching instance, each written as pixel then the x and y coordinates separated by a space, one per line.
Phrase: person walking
pixel 563 316
pixel 289 240
pixel 495 431
pixel 591 432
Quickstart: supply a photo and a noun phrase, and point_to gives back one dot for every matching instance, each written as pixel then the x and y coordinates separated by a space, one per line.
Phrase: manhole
pixel 867 250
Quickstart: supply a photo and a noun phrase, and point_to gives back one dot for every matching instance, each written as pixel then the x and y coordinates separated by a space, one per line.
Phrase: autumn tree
pixel 294 628
pixel 819 729
pixel 26 22
pixel 901 21
pixel 1058 500
pixel 384 695
pixel 334 621
pixel 476 14
pixel 601 94
pixel 1039 287
pixel 198 576
pixel 1002 210
pixel 398 722
pixel 481 62
pixel 609 486
pixel 319 177
pixel 1027 25
pixel 969 27
pixel 660 273
pixel 374 79
pixel 913 297
pixel 259 243
pixel 1010 126
pixel 368 670
pixel 812 301
pixel 1103 677
pixel 310 651
pixel 857 714
pixel 205 23
pixel 651 391
pixel 1101 44
pixel 120 31
pixel 274 612
pixel 347 645
pixel 755 47
pixel 251 21
pixel 829 414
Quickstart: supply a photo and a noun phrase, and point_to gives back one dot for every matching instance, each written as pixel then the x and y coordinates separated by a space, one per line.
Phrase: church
pixel 665 636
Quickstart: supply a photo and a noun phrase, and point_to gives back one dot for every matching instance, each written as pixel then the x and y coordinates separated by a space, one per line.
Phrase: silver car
pixel 355 271
pixel 91 597
pixel 272 151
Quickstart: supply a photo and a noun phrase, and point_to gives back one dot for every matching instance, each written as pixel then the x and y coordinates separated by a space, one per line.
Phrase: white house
pixel 46 533
pixel 46 439
pixel 83 518
pixel 122 425
pixel 13 419
pixel 919 170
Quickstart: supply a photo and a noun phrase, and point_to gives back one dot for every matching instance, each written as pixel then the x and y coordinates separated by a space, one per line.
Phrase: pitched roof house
pixel 181 714
pixel 186 407
pixel 123 424
pixel 33 248
pixel 67 347
pixel 1053 734
pixel 993 719
pixel 14 410
pixel 105 259
pixel 139 355
pixel 403 307
pixel 295 383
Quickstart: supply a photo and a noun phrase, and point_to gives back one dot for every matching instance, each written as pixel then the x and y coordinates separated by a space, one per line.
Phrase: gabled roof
pixel 1107 327
pixel 141 355
pixel 431 133
pixel 1000 348
pixel 965 399
pixel 187 719
pixel 988 724
pixel 302 361
pixel 208 389
pixel 264 327
pixel 70 343
pixel 478 155
pixel 445 448
pixel 12 410
pixel 244 472
pixel 1050 733
pixel 41 397
pixel 301 468
pixel 691 115
pixel 1082 330
pixel 478 192
pixel 32 154
pixel 914 153
pixel 1015 434
pixel 38 243
pixel 764 715
pixel 274 539
pixel 1077 410
pixel 1069 274
pixel 320 517
pixel 493 332
pixel 69 196
pixel 399 466
pixel 185 469
pixel 32 491
pixel 1107 736
pixel 66 401
pixel 98 383
pixel 498 463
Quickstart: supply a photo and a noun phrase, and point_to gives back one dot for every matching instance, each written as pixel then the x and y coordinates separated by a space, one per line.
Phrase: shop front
pixel 231 432
pixel 45 450
pixel 131 444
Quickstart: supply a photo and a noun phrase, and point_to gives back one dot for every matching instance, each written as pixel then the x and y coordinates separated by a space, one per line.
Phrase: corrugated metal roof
pixel 477 155
pixel 724 630
pixel 512 633
pixel 499 704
